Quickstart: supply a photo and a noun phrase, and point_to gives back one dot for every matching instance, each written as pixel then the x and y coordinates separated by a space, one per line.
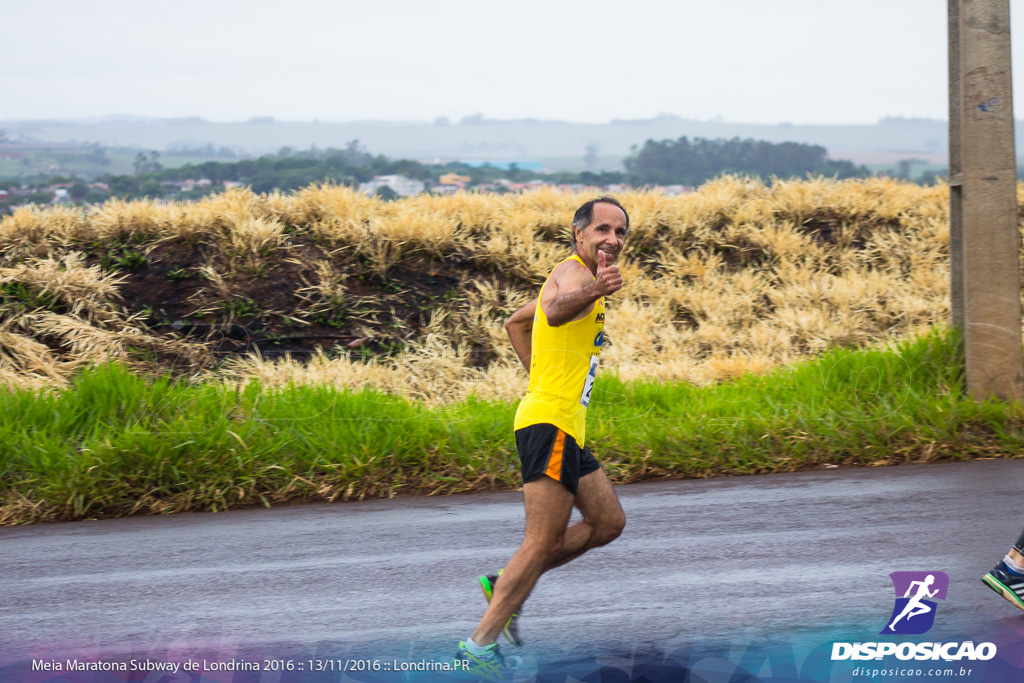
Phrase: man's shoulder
pixel 570 269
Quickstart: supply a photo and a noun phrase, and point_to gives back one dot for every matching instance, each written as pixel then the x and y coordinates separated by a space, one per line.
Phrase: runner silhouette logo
pixel 916 593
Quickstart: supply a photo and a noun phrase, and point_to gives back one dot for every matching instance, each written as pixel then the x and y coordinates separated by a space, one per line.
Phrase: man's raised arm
pixel 575 290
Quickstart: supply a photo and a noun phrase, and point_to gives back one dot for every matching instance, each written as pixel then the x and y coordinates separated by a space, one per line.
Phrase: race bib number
pixel 588 386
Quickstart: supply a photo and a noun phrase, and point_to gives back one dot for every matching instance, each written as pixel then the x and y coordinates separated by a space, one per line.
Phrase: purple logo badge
pixel 916 592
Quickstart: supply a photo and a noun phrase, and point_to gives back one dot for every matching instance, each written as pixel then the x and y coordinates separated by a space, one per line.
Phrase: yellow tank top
pixel 563 364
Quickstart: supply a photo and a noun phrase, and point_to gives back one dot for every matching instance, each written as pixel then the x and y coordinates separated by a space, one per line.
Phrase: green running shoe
pixel 489 665
pixel 511 629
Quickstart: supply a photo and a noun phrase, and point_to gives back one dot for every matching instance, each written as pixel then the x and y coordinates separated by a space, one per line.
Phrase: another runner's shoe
pixel 490 664
pixel 511 629
pixel 1007 583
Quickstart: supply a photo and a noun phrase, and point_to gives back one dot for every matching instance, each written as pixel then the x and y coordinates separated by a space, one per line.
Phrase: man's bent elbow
pixel 524 326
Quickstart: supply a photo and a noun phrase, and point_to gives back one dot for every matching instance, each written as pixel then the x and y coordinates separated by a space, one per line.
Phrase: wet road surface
pixel 765 557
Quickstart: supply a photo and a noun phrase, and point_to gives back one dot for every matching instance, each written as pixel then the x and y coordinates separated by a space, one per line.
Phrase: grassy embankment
pixel 114 443
pixel 738 277
pixel 726 289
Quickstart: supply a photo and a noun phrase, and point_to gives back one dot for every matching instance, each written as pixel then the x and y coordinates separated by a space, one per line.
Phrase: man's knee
pixel 546 549
pixel 609 529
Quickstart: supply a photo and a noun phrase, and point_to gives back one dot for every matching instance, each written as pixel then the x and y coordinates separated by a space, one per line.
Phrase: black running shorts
pixel 546 449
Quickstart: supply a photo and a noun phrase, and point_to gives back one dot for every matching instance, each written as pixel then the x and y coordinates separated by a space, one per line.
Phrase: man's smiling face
pixel 606 233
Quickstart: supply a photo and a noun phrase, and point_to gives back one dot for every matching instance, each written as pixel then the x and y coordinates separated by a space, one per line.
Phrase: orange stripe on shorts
pixel 555 461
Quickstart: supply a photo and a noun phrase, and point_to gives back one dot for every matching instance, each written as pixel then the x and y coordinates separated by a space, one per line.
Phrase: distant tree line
pixel 287 170
pixel 290 170
pixel 686 162
pixel 668 162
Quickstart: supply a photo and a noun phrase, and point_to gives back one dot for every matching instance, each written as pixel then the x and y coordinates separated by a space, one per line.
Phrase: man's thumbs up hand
pixel 608 279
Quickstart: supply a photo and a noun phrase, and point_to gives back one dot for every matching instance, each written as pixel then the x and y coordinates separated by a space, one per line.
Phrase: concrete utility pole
pixel 984 243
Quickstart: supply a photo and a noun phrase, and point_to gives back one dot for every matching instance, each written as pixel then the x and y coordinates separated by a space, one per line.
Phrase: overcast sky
pixel 757 61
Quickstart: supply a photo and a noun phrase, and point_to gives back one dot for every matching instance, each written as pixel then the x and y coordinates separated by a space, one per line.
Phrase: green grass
pixel 115 444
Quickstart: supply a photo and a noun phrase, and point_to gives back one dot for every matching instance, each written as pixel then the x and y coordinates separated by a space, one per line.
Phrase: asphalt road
pixel 760 558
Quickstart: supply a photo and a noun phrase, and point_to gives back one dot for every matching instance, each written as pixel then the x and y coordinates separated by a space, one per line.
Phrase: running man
pixel 558 342
pixel 1007 577
pixel 914 606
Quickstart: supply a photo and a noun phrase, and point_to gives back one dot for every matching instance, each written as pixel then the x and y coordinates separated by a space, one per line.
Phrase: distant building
pixel 454 179
pixel 400 185
pixel 60 196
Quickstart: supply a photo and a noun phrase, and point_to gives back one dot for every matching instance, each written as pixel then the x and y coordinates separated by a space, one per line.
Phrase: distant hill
pixel 478 139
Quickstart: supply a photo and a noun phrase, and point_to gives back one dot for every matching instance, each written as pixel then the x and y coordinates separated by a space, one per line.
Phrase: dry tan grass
pixel 121 220
pixel 737 277
pixel 34 230
pixel 84 291
pixel 61 316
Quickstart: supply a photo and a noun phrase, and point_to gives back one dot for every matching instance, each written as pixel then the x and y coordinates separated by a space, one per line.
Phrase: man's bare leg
pixel 548 507
pixel 603 518
pixel 603 521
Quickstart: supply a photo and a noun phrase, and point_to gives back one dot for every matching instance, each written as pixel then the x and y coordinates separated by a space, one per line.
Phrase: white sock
pixel 476 649
pixel 1013 565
